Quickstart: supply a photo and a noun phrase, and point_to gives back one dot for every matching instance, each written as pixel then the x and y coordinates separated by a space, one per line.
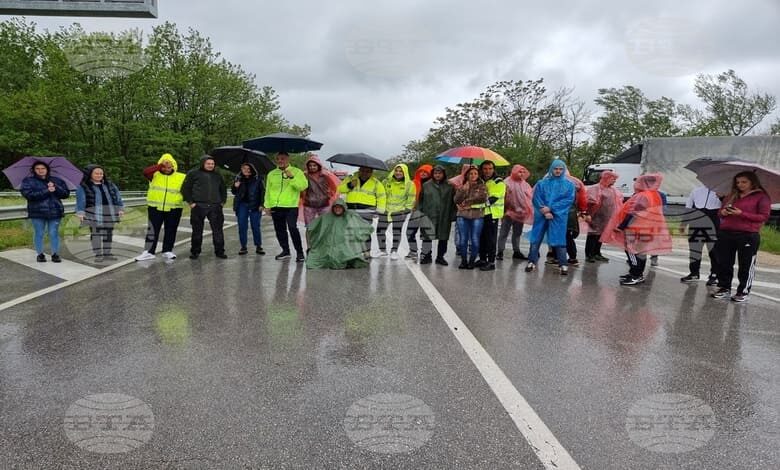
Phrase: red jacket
pixel 755 209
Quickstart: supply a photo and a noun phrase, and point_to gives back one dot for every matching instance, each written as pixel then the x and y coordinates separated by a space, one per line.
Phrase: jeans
pixel 470 231
pixel 246 218
pixel 40 227
pixel 508 224
pixel 157 219
pixel 286 219
pixel 212 212
pixel 560 254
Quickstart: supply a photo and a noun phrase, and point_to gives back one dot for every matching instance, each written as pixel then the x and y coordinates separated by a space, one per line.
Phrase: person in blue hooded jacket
pixel 553 197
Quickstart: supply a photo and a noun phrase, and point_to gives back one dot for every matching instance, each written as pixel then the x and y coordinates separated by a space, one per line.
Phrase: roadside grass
pixel 770 240
pixel 7 201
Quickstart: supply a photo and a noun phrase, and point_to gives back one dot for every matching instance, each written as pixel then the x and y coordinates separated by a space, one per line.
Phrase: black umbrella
pixel 358 159
pixel 282 142
pixel 232 157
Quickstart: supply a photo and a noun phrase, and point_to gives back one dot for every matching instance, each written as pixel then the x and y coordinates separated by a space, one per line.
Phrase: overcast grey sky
pixel 370 76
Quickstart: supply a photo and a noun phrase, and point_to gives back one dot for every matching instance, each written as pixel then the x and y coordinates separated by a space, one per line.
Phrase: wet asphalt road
pixel 254 363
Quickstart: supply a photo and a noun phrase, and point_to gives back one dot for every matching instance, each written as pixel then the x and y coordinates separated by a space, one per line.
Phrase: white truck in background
pixel 669 155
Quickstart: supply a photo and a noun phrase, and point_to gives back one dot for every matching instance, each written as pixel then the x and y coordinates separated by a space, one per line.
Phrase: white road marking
pixel 87 271
pixel 67 270
pixel 547 448
pixel 752 292
pixel 131 241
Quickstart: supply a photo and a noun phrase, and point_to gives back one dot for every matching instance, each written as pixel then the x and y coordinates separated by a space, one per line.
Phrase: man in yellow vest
pixel 283 187
pixel 366 195
pixel 494 211
pixel 164 206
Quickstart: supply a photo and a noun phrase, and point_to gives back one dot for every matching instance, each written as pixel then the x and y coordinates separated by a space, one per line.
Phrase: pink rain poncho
pixel 640 223
pixel 518 204
pixel 604 201
pixel 321 192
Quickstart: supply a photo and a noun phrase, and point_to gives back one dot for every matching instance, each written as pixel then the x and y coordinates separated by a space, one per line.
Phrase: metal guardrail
pixel 124 194
pixel 20 212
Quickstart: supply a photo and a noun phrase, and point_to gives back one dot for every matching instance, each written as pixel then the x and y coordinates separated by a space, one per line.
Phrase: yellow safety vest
pixel 400 197
pixel 165 191
pixel 370 194
pixel 495 189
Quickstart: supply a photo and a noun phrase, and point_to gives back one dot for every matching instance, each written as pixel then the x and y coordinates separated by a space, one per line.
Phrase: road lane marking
pixel 547 448
pixel 752 292
pixel 67 270
pixel 84 277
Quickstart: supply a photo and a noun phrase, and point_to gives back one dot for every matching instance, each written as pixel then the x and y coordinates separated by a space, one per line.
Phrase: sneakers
pixel 243 251
pixel 712 280
pixel 299 258
pixel 739 297
pixel 393 255
pixel 442 262
pixel 530 267
pixel 721 293
pixel 488 267
pixel 55 258
pixel 632 281
pixel 565 270
pixel 411 255
pixel 574 262
pixel 41 258
pixel 169 255
pixel 145 256
pixel 382 254
pixel 282 255
pixel 479 263
pixel 259 250
pixel 518 255
pixel 221 255
pixel 690 278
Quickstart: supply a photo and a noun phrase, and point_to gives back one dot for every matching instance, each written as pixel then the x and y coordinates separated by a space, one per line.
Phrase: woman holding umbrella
pixel 99 206
pixel 470 200
pixel 44 207
pixel 745 210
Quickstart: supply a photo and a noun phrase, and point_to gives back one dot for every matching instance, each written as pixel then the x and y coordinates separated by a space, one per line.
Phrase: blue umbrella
pixel 282 142
pixel 60 167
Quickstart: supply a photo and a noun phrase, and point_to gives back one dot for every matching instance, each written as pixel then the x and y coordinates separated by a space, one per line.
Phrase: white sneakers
pixel 393 255
pixel 144 256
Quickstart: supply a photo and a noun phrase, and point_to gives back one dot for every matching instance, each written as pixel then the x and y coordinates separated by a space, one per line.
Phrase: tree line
pixel 529 124
pixel 122 101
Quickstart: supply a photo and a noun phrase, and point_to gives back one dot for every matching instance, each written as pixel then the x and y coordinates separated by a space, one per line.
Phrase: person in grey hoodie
pixel 205 192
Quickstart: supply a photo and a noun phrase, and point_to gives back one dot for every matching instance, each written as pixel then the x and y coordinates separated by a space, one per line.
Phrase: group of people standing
pixel 485 208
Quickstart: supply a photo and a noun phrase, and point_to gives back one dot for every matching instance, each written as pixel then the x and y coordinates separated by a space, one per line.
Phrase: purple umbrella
pixel 59 166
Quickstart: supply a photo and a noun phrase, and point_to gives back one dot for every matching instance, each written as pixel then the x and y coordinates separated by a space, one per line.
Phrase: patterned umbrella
pixel 472 155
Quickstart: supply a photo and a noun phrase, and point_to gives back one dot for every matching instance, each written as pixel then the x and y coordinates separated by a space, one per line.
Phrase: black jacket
pixel 204 186
pixel 41 203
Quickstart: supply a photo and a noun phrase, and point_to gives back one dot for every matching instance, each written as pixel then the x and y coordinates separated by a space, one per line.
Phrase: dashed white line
pixel 547 448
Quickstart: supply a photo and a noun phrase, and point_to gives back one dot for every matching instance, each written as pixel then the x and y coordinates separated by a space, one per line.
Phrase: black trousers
pixel 212 212
pixel 157 218
pixel 488 239
pixel 286 219
pixel 592 245
pixel 636 264
pixel 740 245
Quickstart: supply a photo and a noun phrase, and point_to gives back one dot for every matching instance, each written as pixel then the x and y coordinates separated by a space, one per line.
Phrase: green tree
pixel 730 107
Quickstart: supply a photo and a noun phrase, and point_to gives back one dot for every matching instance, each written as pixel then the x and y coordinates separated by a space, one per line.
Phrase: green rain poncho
pixel 336 241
